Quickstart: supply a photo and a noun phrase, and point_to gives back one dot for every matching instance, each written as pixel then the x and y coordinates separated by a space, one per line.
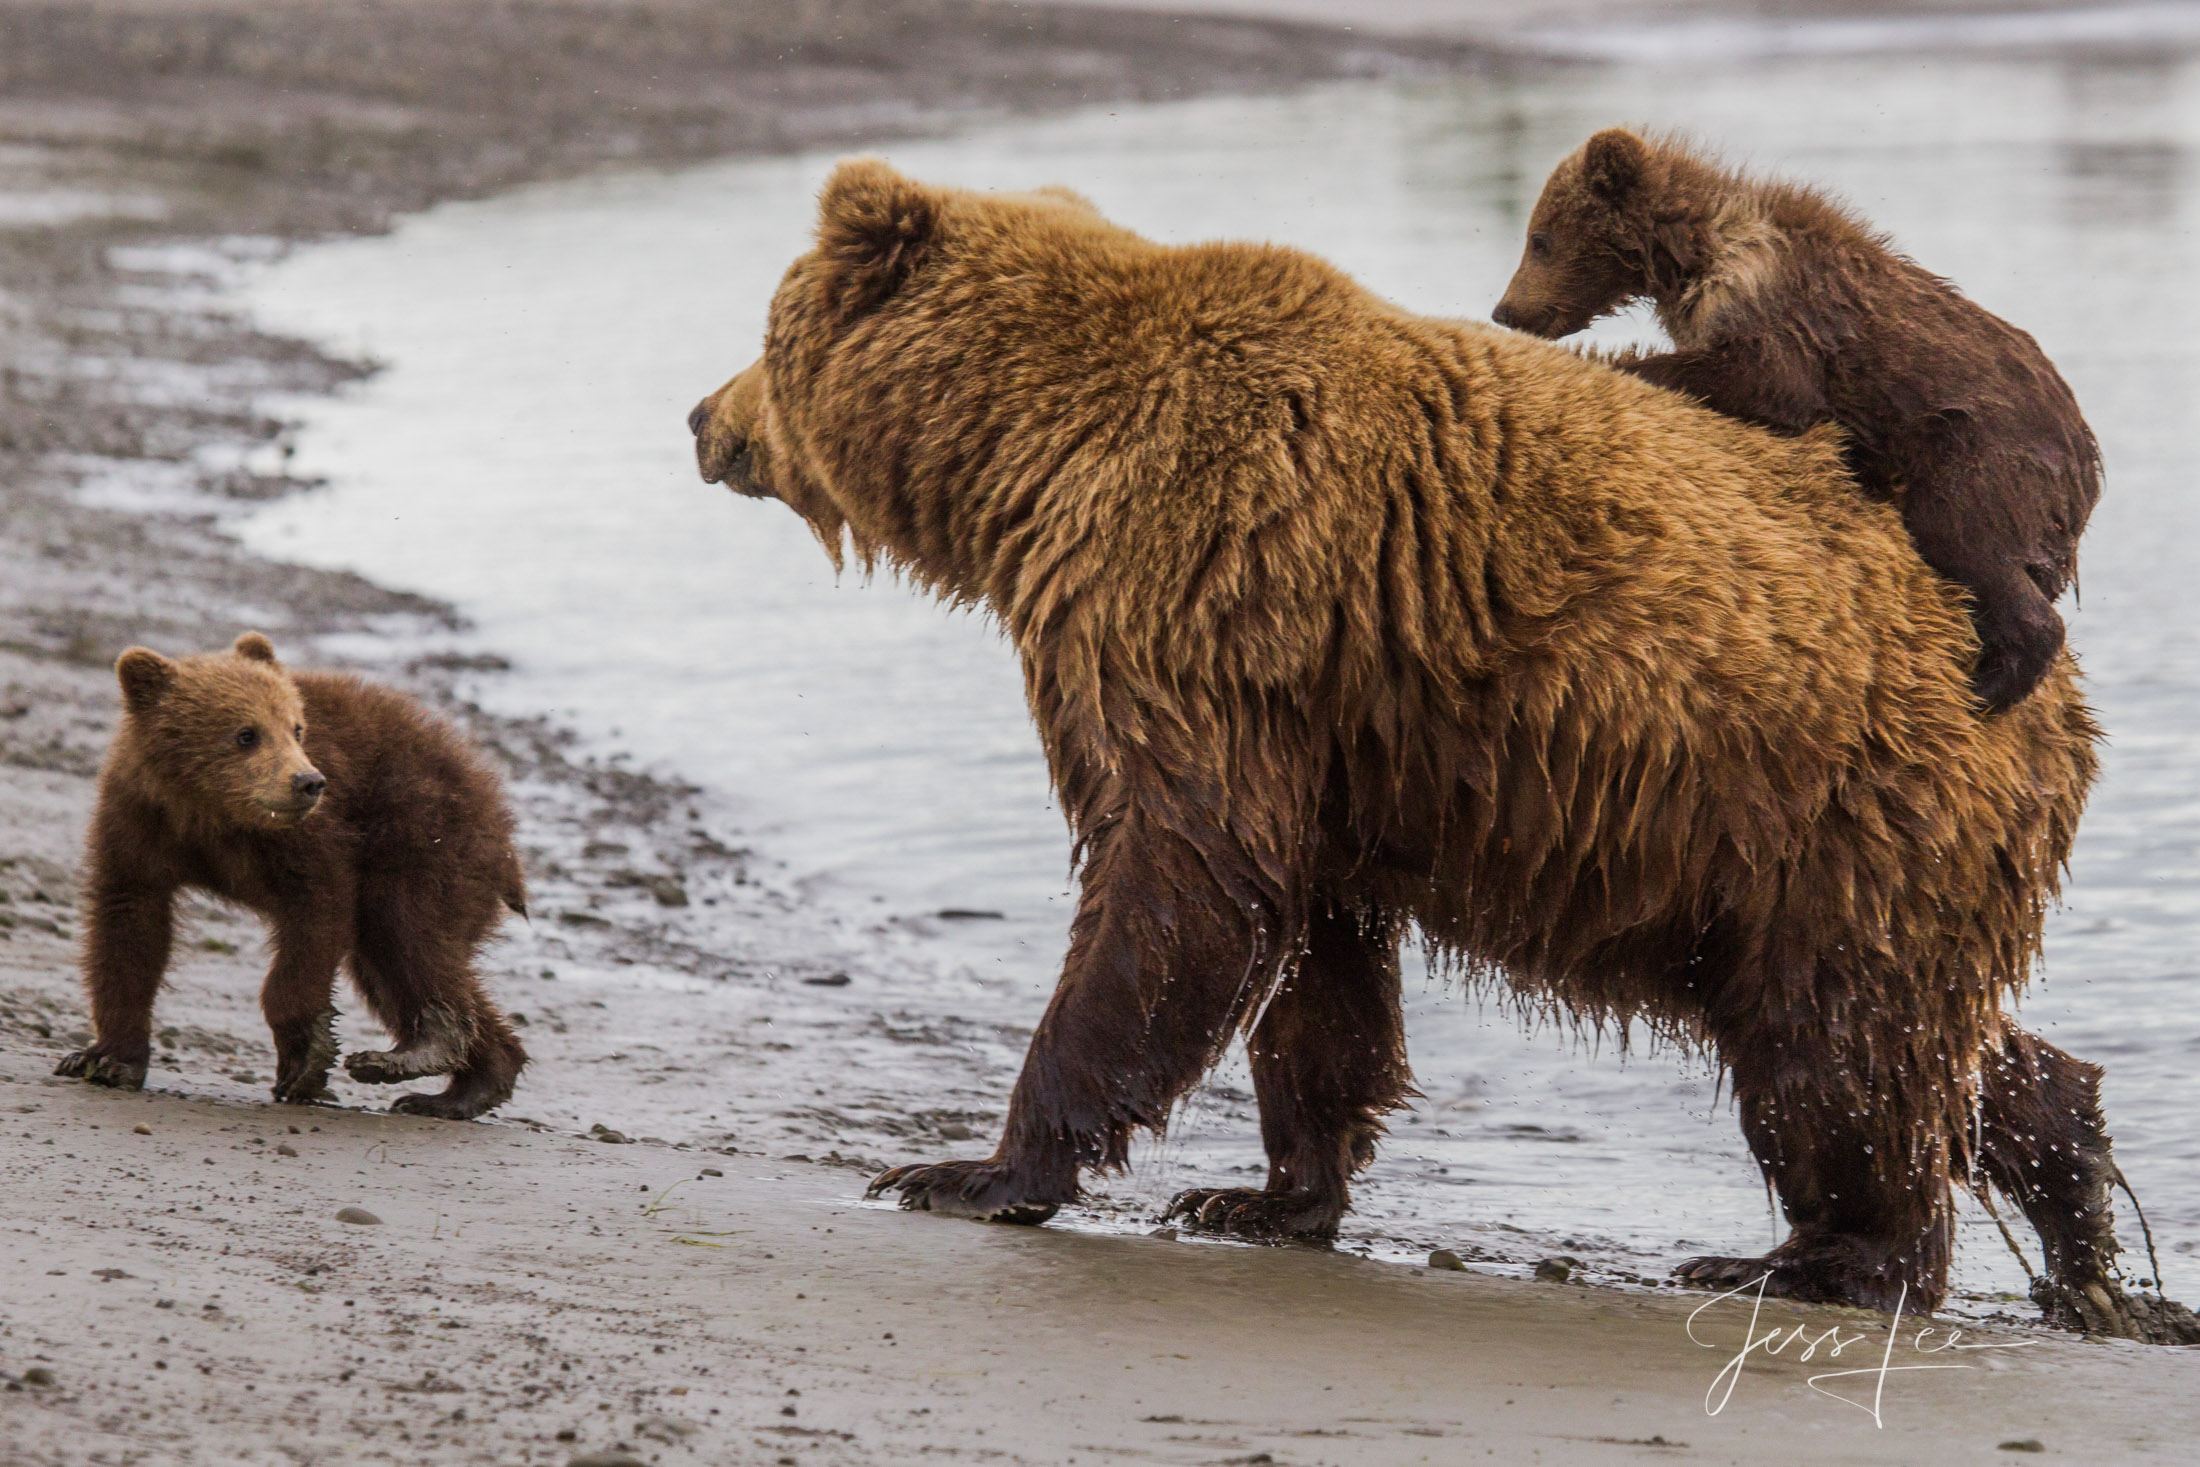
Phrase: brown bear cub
pixel 1786 310
pixel 353 821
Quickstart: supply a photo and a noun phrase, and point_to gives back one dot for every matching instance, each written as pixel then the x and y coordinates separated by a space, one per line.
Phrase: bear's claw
pixel 1833 1270
pixel 467 1096
pixel 982 1190
pixel 102 1069
pixel 2102 1307
pixel 1245 1212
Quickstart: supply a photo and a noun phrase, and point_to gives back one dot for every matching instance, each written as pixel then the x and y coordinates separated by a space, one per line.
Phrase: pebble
pixel 141 1129
pixel 2029 1444
pixel 956 1131
pixel 1557 1270
pixel 605 1459
pixel 711 1171
pixel 38 1375
pixel 602 1132
pixel 1166 1235
pixel 1444 1258
pixel 284 1148
pixel 357 1215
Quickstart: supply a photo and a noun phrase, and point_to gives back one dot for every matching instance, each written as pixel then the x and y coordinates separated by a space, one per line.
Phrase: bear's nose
pixel 1505 315
pixel 309 784
pixel 699 417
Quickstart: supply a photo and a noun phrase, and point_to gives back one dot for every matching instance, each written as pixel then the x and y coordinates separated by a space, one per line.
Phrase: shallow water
pixel 524 455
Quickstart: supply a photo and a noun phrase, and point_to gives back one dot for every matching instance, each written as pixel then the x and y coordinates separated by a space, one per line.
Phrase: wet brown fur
pixel 1337 620
pixel 1787 310
pixel 358 825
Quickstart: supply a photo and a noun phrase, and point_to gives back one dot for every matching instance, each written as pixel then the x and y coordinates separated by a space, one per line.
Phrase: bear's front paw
pixel 103 1069
pixel 1831 1269
pixel 2100 1306
pixel 1244 1212
pixel 984 1190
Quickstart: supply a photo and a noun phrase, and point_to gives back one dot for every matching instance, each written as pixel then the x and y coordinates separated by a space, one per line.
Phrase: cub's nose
pixel 699 417
pixel 308 784
pixel 1506 315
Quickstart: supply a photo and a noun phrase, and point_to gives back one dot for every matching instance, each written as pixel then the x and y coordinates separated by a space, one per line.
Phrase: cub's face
pixel 224 734
pixel 1585 254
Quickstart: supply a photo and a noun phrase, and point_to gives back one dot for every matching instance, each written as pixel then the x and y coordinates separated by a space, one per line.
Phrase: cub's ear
pixel 873 227
pixel 254 646
pixel 1614 164
pixel 144 675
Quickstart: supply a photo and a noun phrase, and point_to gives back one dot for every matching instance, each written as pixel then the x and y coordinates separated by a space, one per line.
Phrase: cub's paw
pixel 390 1066
pixel 1245 1212
pixel 103 1069
pixel 306 1089
pixel 466 1097
pixel 984 1190
pixel 302 1060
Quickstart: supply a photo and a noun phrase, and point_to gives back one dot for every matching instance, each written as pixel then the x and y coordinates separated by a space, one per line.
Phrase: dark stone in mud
pixel 1444 1258
pixel 1557 1270
pixel 602 1132
pixel 830 980
pixel 605 1459
pixel 38 1375
pixel 357 1216
pixel 969 914
pixel 2029 1444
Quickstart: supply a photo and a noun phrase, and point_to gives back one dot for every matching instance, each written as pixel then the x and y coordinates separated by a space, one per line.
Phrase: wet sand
pixel 190 1295
pixel 145 149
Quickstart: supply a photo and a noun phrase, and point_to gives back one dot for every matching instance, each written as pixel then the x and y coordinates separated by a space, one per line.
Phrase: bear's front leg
pixel 297 999
pixel 1329 1061
pixel 1172 943
pixel 129 924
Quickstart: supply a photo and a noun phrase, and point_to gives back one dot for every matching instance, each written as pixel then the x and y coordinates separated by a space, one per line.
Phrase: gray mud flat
pixel 190 1294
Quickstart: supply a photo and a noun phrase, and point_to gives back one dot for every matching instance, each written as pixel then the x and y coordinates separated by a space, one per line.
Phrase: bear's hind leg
pixel 1855 1123
pixel 484 1078
pixel 2044 1145
pixel 1329 1061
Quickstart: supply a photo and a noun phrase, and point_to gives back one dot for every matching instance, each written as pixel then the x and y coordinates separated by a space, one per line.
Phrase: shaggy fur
pixel 1335 619
pixel 1788 311
pixel 358 825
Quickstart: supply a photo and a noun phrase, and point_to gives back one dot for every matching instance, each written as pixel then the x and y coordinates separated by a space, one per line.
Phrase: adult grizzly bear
pixel 361 827
pixel 1335 619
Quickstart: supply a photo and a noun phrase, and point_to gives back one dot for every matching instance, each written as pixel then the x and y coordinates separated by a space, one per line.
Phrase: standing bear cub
pixel 357 824
pixel 1788 312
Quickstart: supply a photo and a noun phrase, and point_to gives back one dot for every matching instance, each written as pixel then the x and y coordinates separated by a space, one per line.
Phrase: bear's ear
pixel 872 229
pixel 254 647
pixel 144 675
pixel 1614 164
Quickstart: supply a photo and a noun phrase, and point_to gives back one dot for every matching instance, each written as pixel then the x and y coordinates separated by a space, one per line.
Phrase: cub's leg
pixel 422 986
pixel 2020 633
pixel 1329 1061
pixel 1854 1123
pixel 1171 944
pixel 298 999
pixel 129 926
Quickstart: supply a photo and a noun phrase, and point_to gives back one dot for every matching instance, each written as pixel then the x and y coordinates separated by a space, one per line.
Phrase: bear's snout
pixel 724 425
pixel 698 416
pixel 307 784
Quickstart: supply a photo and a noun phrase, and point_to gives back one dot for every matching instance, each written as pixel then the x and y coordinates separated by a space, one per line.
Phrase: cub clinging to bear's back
pixel 1787 311
pixel 360 827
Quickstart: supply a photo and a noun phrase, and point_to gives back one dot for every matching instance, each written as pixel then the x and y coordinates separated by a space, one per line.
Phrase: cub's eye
pixel 247 737
pixel 1539 245
pixel 298 732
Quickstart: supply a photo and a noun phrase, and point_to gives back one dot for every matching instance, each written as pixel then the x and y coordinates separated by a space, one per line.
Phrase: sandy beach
pixel 556 1285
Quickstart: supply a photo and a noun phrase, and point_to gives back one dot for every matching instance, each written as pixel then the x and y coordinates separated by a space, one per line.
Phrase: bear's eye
pixel 1539 245
pixel 247 737
pixel 298 732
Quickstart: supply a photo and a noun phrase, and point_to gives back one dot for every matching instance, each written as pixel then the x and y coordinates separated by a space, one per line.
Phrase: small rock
pixel 956 1131
pixel 711 1171
pixel 2029 1444
pixel 284 1148
pixel 605 1459
pixel 830 980
pixel 38 1375
pixel 666 1429
pixel 602 1132
pixel 141 1129
pixel 970 914
pixel 109 1275
pixel 358 1215
pixel 1444 1258
pixel 1557 1270
pixel 1166 1235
